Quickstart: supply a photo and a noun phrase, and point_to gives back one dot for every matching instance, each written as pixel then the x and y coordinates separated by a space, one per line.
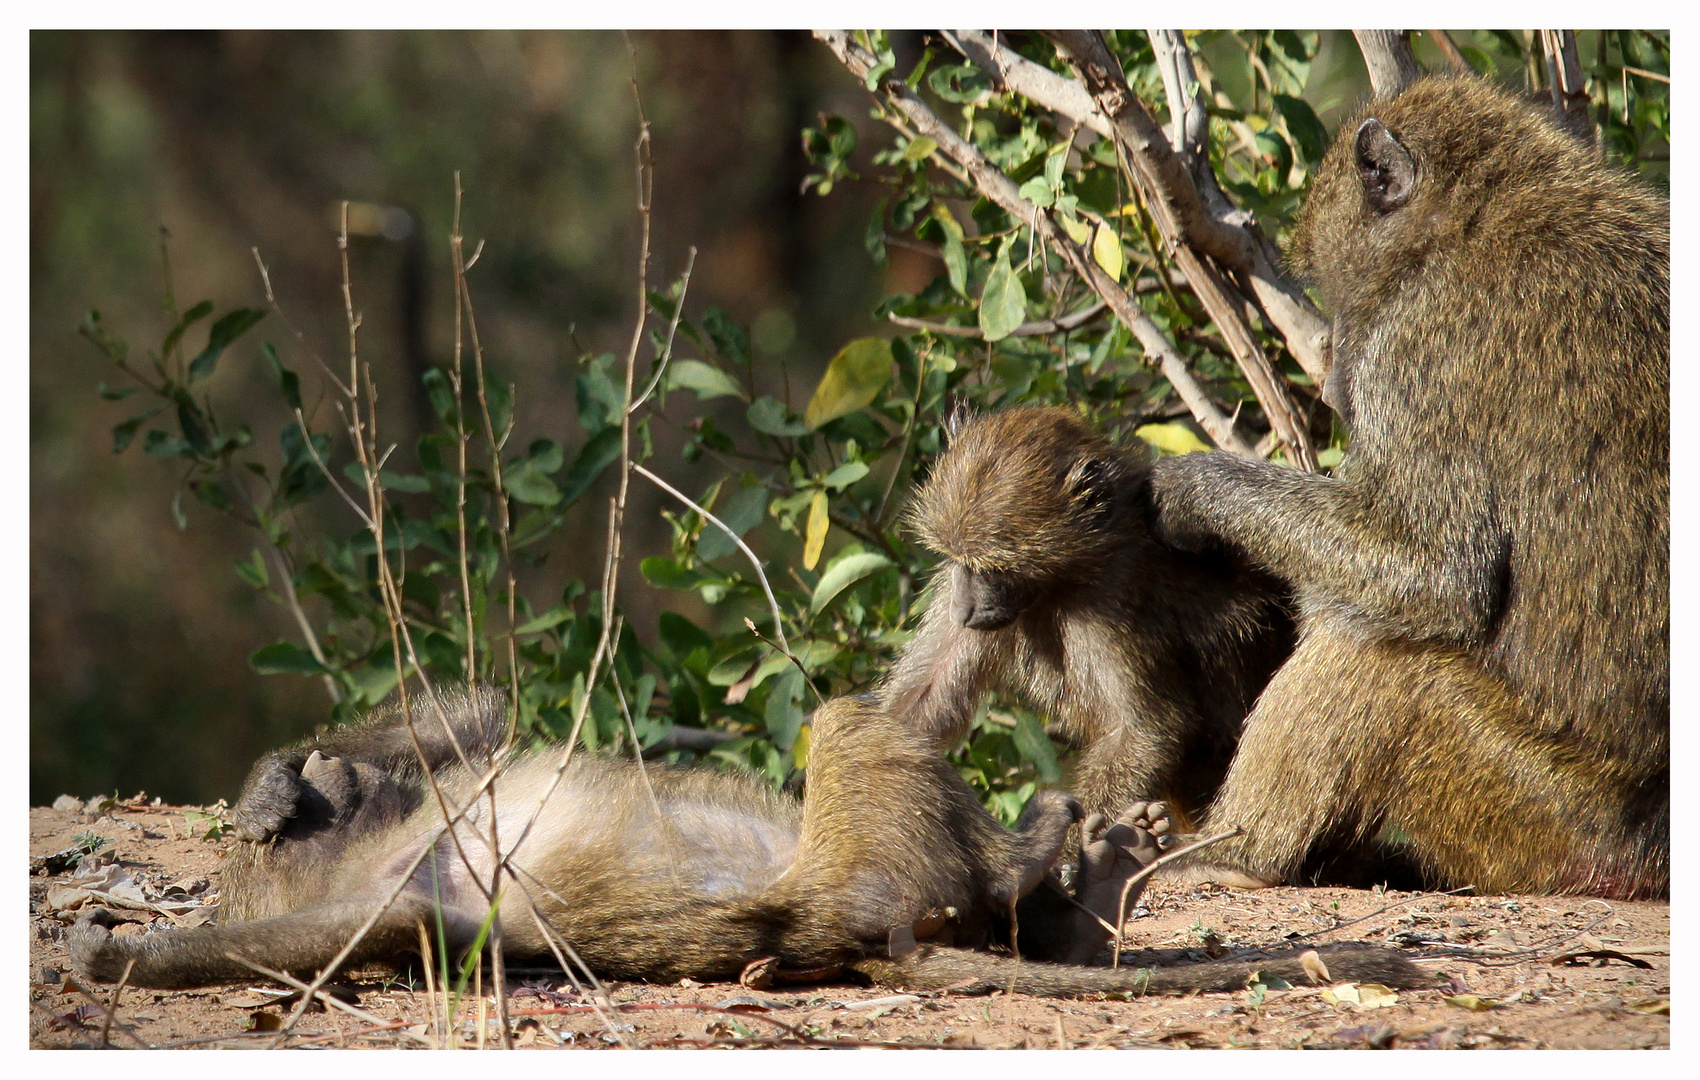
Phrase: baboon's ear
pixel 1092 482
pixel 1387 170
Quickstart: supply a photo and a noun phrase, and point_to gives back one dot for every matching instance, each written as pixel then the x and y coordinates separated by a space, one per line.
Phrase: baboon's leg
pixel 1355 734
pixel 966 972
pixel 301 942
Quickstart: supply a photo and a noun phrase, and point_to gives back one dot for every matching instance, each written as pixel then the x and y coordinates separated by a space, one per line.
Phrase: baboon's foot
pixel 269 799
pixel 1111 852
pixel 95 953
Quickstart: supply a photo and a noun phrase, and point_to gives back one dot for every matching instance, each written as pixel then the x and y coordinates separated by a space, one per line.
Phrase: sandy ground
pixel 1527 972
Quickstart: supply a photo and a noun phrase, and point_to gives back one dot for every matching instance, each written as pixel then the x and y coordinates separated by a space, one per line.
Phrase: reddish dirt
pixel 1533 990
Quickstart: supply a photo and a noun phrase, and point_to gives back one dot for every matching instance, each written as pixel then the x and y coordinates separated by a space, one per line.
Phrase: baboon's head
pixel 1447 168
pixel 1022 499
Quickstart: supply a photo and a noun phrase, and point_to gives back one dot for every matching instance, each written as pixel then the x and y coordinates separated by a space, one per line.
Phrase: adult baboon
pixel 1483 668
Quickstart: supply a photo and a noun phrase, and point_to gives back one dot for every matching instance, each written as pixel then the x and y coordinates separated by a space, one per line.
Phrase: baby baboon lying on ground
pixel 889 867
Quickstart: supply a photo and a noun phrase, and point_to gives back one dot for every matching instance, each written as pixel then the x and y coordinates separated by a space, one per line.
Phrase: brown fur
pixel 1484 659
pixel 1149 659
pixel 686 873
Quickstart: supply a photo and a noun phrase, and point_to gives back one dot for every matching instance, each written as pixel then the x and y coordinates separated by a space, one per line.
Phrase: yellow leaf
pixel 1077 230
pixel 852 381
pixel 1341 994
pixel 800 748
pixel 1170 439
pixel 814 535
pixel 1653 1006
pixel 1472 1002
pixel 1376 996
pixel 1107 252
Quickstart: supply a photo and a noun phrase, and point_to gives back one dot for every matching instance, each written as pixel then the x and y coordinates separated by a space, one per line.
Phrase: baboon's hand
pixel 1178 487
pixel 94 952
pixel 269 798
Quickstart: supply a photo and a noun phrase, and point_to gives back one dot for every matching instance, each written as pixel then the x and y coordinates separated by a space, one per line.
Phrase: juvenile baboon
pixel 1484 660
pixel 888 862
pixel 1055 594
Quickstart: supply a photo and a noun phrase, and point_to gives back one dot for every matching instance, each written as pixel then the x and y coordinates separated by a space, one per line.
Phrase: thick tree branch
pixel 1283 303
pixel 1162 175
pixel 1387 53
pixel 1001 190
pixel 1147 156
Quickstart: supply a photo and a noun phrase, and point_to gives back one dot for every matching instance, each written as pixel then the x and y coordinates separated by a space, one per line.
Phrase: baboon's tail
pixel 965 972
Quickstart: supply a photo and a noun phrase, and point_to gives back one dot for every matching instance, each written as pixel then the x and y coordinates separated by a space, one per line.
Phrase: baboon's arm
pixel 1421 567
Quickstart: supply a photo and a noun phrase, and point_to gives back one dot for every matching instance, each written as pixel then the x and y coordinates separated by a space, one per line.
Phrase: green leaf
pixel 599 452
pixel 545 455
pixel 500 395
pixel 110 394
pixel 873 238
pixel 843 572
pixel 845 475
pixel 528 484
pixel 955 256
pixel 853 380
pixel 784 717
pixel 1077 230
pixel 919 149
pixel 1307 131
pixel 290 383
pixel 533 526
pixel 771 418
pixel 123 434
pixel 211 493
pixel 253 570
pixel 728 337
pixel 224 332
pixel 284 658
pixel 1038 191
pixel 742 511
pixel 1035 746
pixel 664 572
pixel 705 380
pixel 190 318
pixel 960 84
pixel 1003 304
pixel 550 619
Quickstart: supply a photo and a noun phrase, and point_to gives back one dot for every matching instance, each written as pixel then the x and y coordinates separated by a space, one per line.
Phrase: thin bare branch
pixel 761 575
pixel 672 329
pixel 1027 329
